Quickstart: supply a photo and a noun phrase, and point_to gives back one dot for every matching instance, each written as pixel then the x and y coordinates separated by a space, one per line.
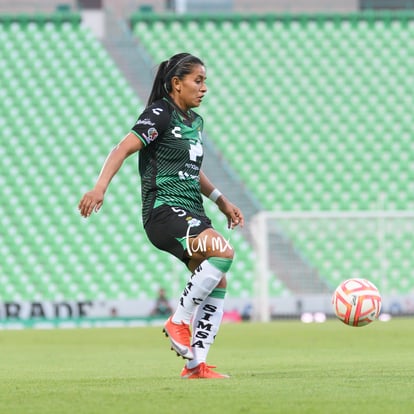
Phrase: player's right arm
pixel 93 200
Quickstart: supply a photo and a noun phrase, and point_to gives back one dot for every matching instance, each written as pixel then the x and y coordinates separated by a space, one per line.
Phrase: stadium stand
pixel 314 112
pixel 64 104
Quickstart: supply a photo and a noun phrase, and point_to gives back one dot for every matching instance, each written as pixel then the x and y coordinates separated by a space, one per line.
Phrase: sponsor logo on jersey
pixel 182 175
pixel 145 121
pixel 192 166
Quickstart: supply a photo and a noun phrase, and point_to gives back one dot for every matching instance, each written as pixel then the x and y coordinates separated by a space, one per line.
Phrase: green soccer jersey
pixel 170 162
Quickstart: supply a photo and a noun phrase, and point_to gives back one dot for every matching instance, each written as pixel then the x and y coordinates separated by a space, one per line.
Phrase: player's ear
pixel 176 84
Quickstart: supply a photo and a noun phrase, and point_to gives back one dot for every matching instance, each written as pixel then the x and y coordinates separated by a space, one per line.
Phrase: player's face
pixel 190 90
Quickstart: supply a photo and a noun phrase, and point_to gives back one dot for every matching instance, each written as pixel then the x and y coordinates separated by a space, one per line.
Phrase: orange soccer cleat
pixel 180 337
pixel 202 371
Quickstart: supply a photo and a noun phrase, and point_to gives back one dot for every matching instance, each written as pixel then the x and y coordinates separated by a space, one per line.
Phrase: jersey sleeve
pixel 152 123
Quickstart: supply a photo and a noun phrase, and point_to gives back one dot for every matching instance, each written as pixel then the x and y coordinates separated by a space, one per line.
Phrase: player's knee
pixel 216 245
pixel 223 250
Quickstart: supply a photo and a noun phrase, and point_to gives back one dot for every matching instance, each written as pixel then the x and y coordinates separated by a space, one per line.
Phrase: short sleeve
pixel 153 122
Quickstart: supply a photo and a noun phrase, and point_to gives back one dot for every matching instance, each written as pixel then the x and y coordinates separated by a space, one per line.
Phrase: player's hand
pixel 233 213
pixel 91 201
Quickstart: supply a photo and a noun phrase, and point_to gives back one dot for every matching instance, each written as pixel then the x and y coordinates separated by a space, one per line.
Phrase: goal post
pixel 302 256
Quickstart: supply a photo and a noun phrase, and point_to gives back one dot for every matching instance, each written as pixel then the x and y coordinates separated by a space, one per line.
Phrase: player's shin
pixel 206 323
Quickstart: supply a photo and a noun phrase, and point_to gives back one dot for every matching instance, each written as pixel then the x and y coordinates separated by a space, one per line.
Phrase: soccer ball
pixel 356 302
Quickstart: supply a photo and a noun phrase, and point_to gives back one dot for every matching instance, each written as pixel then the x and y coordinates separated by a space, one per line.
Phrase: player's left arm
pixel 231 211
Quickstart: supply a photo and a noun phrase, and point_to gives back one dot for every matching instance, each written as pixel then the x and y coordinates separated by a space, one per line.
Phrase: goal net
pixel 302 257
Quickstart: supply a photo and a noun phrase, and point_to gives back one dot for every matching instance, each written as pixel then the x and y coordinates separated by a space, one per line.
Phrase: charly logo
pixel 177 132
pixel 157 111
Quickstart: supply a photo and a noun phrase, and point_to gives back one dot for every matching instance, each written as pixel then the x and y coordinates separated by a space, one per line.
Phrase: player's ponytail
pixel 178 65
pixel 158 90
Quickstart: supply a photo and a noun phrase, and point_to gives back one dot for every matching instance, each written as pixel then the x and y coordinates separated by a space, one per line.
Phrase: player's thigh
pixel 209 243
pixel 172 228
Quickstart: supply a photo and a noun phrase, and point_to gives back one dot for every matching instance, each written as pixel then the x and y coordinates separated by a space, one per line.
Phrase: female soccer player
pixel 168 136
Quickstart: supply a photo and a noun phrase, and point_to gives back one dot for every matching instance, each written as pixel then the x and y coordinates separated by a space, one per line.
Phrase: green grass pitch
pixel 279 367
